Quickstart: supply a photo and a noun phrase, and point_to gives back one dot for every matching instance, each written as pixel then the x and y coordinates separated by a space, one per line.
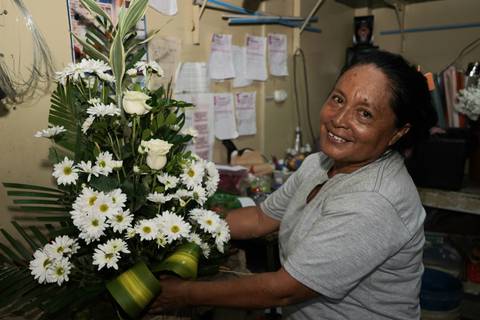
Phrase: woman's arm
pixel 261 290
pixel 250 222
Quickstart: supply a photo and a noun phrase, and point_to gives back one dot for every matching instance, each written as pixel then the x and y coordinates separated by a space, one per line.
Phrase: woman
pixel 350 220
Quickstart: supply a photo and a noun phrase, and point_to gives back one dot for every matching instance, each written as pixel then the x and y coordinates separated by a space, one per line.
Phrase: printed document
pixel 246 112
pixel 277 54
pixel 256 58
pixel 225 126
pixel 220 64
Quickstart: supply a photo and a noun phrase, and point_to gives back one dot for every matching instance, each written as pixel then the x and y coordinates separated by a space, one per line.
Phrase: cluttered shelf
pixel 466 200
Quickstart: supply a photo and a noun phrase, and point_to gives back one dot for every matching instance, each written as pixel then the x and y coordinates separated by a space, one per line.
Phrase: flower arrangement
pixel 130 197
pixel 469 102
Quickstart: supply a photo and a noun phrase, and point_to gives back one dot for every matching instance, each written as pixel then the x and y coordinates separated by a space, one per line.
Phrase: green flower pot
pixel 183 262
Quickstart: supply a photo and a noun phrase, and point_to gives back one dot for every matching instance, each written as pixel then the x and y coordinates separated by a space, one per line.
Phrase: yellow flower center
pixel 119 218
pixel 191 173
pixel 108 255
pixel 46 262
pixel 95 222
pixel 175 229
pixel 147 229
pixel 92 200
pixel 102 163
pixel 59 271
pixel 59 249
pixel 209 222
pixel 103 207
pixel 67 171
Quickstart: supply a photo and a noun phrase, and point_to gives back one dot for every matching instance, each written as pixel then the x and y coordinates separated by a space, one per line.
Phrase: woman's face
pixel 357 123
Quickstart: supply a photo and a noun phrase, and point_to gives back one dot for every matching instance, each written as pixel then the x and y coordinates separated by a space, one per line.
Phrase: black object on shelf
pixel 439 162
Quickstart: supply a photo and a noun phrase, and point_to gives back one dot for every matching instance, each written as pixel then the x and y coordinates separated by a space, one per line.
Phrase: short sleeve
pixel 276 204
pixel 356 234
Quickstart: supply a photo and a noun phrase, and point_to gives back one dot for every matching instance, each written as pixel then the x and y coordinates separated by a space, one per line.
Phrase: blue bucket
pixel 440 291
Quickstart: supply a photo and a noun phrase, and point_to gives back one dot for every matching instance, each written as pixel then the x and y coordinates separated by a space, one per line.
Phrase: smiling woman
pixel 350 220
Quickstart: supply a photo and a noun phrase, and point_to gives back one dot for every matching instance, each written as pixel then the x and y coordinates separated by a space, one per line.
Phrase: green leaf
pixel 117 62
pixel 146 134
pixel 63 112
pixel 11 185
pixel 103 183
pixel 94 8
pixel 25 236
pixel 92 51
pixel 134 13
pixel 42 240
pixel 171 119
pixel 32 194
pixel 19 248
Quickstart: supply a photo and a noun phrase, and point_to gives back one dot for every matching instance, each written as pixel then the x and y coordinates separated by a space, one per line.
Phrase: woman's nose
pixel 340 119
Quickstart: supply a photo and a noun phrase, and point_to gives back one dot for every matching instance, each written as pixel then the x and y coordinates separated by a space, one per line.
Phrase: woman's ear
pixel 398 134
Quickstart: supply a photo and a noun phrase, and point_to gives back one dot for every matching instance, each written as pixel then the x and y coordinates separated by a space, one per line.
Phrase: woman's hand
pixel 173 295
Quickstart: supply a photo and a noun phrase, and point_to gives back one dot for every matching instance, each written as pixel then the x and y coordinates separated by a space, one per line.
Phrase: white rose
pixel 156 162
pixel 134 102
pixel 156 147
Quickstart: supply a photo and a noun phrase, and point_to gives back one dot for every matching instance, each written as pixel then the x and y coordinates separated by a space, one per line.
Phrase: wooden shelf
pixel 466 200
pixel 377 3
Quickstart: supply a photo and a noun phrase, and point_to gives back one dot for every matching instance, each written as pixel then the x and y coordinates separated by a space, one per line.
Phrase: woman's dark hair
pixel 410 98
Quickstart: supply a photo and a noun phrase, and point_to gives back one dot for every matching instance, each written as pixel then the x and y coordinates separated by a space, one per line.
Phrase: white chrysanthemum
pixel 102 110
pixel 61 246
pixel 65 172
pixel 93 227
pixel 147 229
pixel 121 220
pixel 86 200
pixel 168 181
pixel 104 205
pixel 161 240
pixel 131 233
pixel 50 132
pixel 159 197
pixel 86 167
pixel 116 245
pixel 132 72
pixel 195 238
pixel 183 196
pixel 213 178
pixel 193 174
pixel 87 124
pixel 59 270
pixel 222 235
pixel 108 259
pixel 174 227
pixel 199 195
pixel 118 198
pixel 151 66
pixel 208 221
pixel 104 163
pixel 39 266
pixel 86 67
pixel 93 101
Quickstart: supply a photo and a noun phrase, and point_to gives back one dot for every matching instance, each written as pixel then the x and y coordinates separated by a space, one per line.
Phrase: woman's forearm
pixel 250 222
pixel 261 290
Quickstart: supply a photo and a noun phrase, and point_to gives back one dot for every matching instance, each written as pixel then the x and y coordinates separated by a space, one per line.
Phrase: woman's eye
pixel 366 114
pixel 337 99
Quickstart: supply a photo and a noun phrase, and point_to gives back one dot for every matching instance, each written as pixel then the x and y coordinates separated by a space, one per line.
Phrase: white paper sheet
pixel 240 65
pixel 225 124
pixel 220 63
pixel 167 7
pixel 192 77
pixel 277 54
pixel 256 57
pixel 166 52
pixel 201 118
pixel 246 112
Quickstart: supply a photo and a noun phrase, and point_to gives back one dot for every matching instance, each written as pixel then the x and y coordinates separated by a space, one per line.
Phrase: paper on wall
pixel 256 58
pixel 246 112
pixel 192 77
pixel 225 124
pixel 220 64
pixel 240 65
pixel 277 54
pixel 166 52
pixel 167 7
pixel 201 118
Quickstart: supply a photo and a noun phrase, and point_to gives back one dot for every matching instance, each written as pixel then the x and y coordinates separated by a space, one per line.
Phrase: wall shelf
pixel 466 200
pixel 356 4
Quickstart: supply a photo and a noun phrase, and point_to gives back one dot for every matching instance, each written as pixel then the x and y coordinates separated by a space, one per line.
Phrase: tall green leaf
pixel 94 8
pixel 134 13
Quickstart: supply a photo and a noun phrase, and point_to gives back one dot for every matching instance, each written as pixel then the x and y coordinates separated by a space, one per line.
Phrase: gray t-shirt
pixel 358 242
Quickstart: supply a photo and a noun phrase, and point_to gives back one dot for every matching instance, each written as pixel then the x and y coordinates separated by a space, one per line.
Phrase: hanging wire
pixel 40 72
pixel 465 50
pixel 300 54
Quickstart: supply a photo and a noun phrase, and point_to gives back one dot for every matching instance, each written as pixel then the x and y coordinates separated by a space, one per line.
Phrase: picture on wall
pixel 79 18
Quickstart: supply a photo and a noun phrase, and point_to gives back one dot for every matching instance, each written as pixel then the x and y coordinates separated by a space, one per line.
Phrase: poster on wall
pixel 79 19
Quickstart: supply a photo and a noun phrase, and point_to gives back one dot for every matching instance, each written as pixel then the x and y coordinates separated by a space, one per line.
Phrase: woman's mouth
pixel 335 138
